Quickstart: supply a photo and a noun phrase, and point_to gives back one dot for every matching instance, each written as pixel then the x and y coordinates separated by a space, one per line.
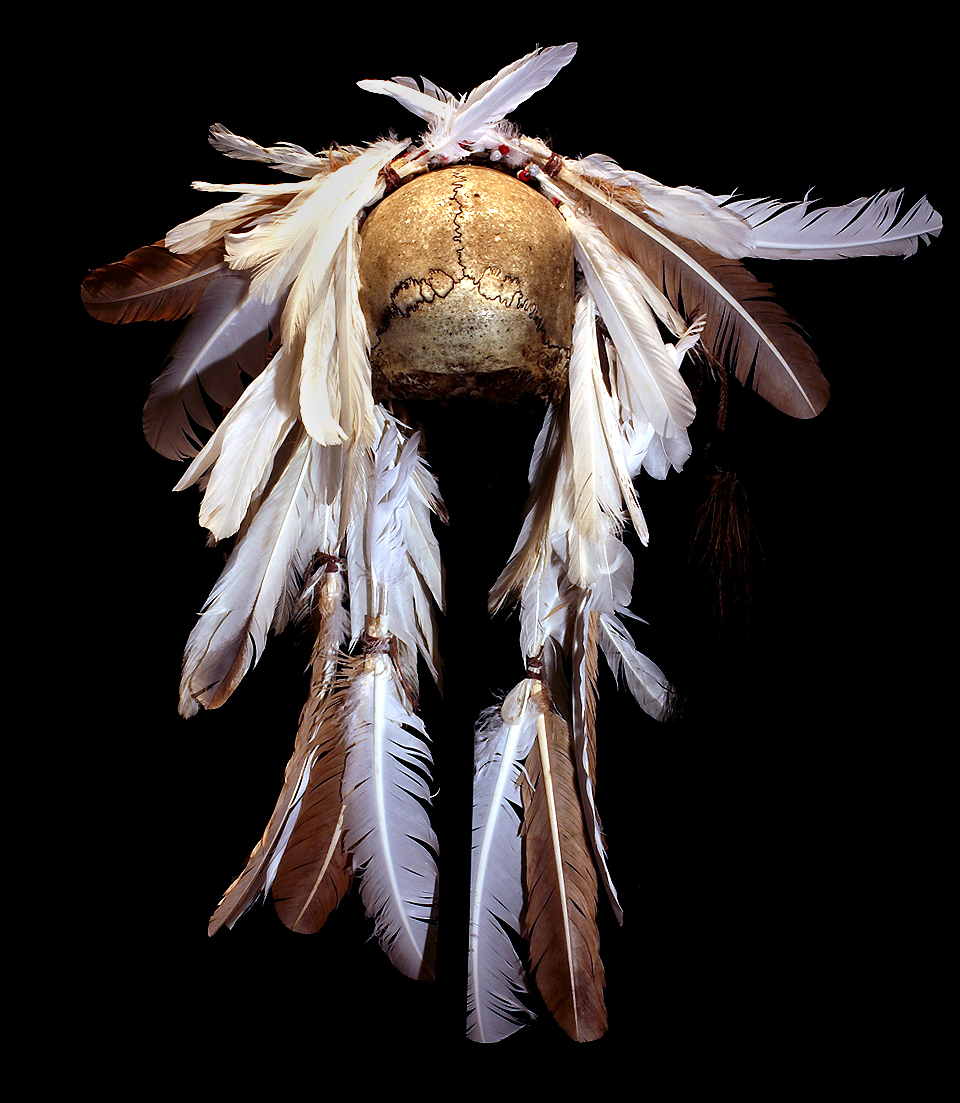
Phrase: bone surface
pixel 467 286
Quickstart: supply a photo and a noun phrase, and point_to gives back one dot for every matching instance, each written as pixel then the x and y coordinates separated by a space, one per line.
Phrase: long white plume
pixel 387 829
pixel 496 980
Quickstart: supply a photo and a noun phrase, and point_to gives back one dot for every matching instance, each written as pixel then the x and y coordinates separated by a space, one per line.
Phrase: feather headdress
pixel 329 504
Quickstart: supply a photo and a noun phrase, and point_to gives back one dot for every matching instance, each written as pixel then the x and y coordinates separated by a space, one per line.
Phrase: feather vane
pixel 496 979
pixel 227 335
pixel 873 226
pixel 151 284
pixel 560 916
pixel 300 857
pixel 387 829
pixel 745 327
pixel 259 582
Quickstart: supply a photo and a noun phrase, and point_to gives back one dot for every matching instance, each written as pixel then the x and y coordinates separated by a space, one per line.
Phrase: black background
pixel 771 852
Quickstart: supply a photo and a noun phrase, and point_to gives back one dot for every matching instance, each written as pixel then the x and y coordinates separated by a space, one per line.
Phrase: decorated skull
pixel 467 287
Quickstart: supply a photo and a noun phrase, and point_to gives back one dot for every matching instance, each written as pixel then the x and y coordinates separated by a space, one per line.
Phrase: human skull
pixel 467 287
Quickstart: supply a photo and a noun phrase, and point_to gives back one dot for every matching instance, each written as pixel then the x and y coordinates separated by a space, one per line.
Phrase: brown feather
pixel 314 873
pixel 561 886
pixel 151 284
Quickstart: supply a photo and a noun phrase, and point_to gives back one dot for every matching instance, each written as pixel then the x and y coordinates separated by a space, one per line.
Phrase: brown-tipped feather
pixel 561 887
pixel 151 284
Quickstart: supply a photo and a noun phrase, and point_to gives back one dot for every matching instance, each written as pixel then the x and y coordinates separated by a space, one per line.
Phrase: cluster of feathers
pixel 330 506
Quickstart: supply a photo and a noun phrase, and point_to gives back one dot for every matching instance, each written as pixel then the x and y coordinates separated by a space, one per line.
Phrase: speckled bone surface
pixel 467 287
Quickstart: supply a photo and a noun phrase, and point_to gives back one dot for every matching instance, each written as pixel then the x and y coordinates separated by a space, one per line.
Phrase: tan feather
pixel 151 284
pixel 561 886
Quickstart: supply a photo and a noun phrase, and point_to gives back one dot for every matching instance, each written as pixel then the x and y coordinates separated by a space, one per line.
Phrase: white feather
pixel 240 454
pixel 426 106
pixel 259 582
pixel 495 973
pixel 598 462
pixel 359 420
pixel 297 245
pixel 685 211
pixel 319 379
pixel 875 225
pixel 648 373
pixel 473 120
pixel 645 680
pixel 250 208
pixel 284 156
pixel 387 830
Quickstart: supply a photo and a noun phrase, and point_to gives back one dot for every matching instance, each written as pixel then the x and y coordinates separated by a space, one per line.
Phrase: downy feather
pixel 285 156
